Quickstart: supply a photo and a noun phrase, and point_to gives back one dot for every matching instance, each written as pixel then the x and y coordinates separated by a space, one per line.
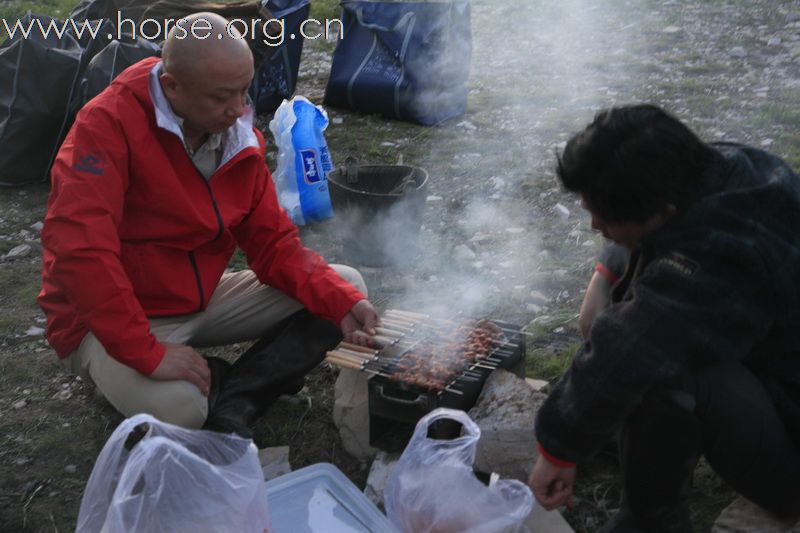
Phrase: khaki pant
pixel 241 309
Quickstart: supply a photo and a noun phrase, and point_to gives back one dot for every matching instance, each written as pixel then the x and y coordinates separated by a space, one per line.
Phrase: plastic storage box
pixel 320 499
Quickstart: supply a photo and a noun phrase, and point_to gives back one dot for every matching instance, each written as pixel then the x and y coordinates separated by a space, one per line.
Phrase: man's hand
pixel 361 316
pixel 182 362
pixel 597 298
pixel 551 484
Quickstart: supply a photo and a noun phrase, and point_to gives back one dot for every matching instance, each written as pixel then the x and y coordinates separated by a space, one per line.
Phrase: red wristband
pixel 553 460
pixel 601 269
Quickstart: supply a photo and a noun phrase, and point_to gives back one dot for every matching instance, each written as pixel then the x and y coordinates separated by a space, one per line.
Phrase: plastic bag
pixel 174 480
pixel 303 160
pixel 434 489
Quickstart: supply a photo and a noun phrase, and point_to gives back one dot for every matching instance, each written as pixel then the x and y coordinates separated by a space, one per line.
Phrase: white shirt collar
pixel 239 136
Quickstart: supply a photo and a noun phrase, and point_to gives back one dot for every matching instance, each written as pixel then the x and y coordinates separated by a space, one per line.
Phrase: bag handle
pixel 471 429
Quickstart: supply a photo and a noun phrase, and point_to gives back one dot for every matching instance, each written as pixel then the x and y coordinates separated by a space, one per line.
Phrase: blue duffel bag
pixel 276 78
pixel 407 60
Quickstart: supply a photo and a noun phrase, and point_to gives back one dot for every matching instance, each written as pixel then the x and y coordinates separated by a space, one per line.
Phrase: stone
pixel 70 469
pixel 543 520
pixel 537 384
pixel 744 516
pixel 20 404
pixel 562 210
pixel 378 476
pixel 18 251
pixel 775 41
pixel 738 51
pixel 463 252
pixel 274 461
pixel 505 412
pixel 351 413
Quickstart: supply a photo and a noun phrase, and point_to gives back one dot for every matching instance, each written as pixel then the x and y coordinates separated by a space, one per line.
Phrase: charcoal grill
pixel 394 402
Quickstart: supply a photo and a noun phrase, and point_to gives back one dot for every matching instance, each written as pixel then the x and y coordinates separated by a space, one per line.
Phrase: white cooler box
pixel 320 499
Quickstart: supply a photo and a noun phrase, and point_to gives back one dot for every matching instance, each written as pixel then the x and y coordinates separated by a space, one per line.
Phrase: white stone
pixel 351 413
pixel 743 516
pixel 539 297
pixel 505 412
pixel 671 29
pixel 20 404
pixel 767 142
pixel 37 226
pixel 70 469
pixel 515 230
pixel 463 252
pixel 562 210
pixel 33 331
pixel 337 120
pixel 536 384
pixel 378 476
pixel 18 251
pixel 533 308
pixel 274 461
pixel 775 41
pixel 433 198
pixel 738 51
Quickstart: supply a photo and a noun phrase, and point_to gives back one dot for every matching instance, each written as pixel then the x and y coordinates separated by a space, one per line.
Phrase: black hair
pixel 633 161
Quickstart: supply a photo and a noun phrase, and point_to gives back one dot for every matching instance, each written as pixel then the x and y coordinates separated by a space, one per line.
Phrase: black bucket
pixel 379 211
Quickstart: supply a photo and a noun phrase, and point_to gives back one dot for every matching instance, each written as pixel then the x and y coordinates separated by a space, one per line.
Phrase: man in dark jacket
pixel 698 352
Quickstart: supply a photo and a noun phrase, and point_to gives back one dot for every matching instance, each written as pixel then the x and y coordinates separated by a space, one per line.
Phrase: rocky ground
pixel 498 236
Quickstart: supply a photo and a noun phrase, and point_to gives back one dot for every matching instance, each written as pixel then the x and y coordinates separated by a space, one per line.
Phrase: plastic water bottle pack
pixel 303 160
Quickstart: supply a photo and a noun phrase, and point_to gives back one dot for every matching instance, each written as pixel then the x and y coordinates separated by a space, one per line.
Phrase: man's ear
pixel 169 85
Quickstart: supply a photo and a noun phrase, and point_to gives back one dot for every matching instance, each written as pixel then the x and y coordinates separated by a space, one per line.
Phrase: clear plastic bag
pixel 156 477
pixel 434 489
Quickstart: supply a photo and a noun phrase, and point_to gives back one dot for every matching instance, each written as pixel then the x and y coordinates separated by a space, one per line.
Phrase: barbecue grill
pixel 409 350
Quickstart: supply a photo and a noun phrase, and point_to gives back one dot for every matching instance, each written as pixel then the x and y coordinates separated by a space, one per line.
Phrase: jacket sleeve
pixel 679 314
pixel 89 180
pixel 272 245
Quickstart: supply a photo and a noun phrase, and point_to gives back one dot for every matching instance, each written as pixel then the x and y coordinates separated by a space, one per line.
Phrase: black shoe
pixel 219 369
pixel 294 387
pixel 274 365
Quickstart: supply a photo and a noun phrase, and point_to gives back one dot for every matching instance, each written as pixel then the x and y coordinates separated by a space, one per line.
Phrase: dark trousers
pixel 723 412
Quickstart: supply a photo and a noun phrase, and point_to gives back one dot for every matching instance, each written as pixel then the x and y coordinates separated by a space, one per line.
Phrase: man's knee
pixel 352 276
pixel 174 402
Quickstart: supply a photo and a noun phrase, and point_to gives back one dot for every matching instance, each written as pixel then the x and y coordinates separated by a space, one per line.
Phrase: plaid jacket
pixel 719 282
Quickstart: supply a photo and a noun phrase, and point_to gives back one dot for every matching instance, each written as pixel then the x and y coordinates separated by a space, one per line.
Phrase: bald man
pixel 161 177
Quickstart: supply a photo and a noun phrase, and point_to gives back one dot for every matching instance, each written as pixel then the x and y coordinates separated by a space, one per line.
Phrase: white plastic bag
pixel 174 480
pixel 434 489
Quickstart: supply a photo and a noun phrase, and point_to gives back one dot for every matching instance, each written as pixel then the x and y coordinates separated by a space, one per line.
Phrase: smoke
pixel 495 217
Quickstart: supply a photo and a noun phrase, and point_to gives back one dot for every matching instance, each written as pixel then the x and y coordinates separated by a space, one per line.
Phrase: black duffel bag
pixel 407 60
pixel 37 78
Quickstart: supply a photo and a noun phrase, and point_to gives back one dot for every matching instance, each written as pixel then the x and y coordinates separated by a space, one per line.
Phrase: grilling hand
pixel 182 362
pixel 551 484
pixel 362 316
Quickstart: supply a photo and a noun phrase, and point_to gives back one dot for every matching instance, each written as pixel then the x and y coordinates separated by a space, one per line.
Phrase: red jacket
pixel 133 230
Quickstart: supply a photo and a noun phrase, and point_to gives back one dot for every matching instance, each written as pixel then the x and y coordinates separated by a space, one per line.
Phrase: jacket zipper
pixel 199 281
pixel 221 229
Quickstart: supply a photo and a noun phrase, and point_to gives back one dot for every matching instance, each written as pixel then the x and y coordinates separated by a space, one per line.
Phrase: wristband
pixel 601 269
pixel 553 460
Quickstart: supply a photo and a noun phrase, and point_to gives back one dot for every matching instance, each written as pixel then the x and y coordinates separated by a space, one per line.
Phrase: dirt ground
pixel 498 237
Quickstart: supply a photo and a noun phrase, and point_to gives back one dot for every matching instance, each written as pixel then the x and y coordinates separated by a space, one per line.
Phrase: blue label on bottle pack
pixel 311 170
